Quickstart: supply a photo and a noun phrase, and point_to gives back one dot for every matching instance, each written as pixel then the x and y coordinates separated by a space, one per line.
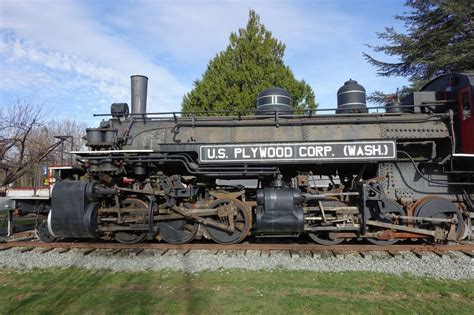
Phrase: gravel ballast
pixel 455 265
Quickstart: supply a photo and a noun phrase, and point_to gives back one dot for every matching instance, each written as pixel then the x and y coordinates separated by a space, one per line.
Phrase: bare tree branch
pixel 26 139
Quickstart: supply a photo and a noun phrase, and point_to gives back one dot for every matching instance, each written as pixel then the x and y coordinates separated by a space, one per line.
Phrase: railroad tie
pixel 27 249
pixel 63 250
pixel 47 249
pixel 421 254
pixel 394 253
pixel 157 252
pixel 88 251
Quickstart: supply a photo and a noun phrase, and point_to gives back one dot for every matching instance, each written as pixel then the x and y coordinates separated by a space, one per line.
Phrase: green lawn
pixel 75 291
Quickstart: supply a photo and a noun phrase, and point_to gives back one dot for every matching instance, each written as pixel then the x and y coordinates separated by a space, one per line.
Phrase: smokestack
pixel 139 91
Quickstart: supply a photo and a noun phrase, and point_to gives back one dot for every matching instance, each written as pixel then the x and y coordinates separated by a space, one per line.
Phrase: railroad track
pixel 419 250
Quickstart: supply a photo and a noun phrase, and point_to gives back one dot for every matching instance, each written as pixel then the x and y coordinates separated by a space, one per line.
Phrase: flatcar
pixel 405 172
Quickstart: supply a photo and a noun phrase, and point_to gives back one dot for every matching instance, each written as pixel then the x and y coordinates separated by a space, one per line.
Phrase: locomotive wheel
pixel 391 207
pixel 131 237
pixel 438 207
pixel 178 231
pixel 43 234
pixel 242 222
pixel 324 239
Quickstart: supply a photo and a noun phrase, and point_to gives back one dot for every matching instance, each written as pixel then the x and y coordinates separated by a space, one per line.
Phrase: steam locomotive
pixel 402 173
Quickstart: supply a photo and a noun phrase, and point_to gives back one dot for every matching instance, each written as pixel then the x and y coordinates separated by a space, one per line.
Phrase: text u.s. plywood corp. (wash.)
pixel 294 152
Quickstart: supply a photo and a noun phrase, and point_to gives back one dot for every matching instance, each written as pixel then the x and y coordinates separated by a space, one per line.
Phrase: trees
pixel 252 61
pixel 69 130
pixel 26 139
pixel 380 98
pixel 439 39
pixel 17 150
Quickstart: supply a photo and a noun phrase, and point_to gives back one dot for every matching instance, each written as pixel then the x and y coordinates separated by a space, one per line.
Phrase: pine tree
pixel 439 39
pixel 252 62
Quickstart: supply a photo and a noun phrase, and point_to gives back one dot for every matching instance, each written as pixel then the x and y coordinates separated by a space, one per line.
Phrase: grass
pixel 76 291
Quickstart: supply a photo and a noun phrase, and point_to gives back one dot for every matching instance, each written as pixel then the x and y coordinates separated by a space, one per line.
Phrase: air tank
pixel 351 98
pixel 139 93
pixel 274 99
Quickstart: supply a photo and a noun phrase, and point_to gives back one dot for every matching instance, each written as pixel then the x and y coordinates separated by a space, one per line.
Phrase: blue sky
pixel 76 57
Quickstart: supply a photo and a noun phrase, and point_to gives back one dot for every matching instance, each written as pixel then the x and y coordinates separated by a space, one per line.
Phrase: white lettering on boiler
pixel 263 152
pixel 213 153
pixel 366 150
pixel 315 151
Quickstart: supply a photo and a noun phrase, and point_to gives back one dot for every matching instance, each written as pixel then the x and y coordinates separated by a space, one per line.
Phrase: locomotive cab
pixel 456 91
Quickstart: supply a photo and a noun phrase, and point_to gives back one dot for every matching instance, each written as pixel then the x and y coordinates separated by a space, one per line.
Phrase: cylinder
pixel 72 213
pixel 351 98
pixel 279 211
pixel 139 93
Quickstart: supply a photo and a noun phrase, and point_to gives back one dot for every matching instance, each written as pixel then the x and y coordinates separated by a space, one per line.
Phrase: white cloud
pixel 60 35
pixel 54 72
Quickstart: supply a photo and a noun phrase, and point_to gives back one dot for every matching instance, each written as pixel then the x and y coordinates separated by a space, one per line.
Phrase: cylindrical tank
pixel 351 98
pixel 273 100
pixel 139 93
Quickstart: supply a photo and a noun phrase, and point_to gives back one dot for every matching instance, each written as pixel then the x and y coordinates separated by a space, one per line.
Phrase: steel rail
pixel 240 247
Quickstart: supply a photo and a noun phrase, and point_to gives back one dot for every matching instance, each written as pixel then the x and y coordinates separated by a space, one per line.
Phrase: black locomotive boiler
pixel 406 172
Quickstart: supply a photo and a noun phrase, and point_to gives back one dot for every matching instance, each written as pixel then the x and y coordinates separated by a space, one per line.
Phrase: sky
pixel 76 57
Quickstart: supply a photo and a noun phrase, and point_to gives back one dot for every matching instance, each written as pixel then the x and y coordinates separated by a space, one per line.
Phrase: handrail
pixel 238 113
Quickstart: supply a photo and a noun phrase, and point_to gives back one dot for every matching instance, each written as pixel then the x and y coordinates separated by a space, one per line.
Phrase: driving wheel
pixel 230 212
